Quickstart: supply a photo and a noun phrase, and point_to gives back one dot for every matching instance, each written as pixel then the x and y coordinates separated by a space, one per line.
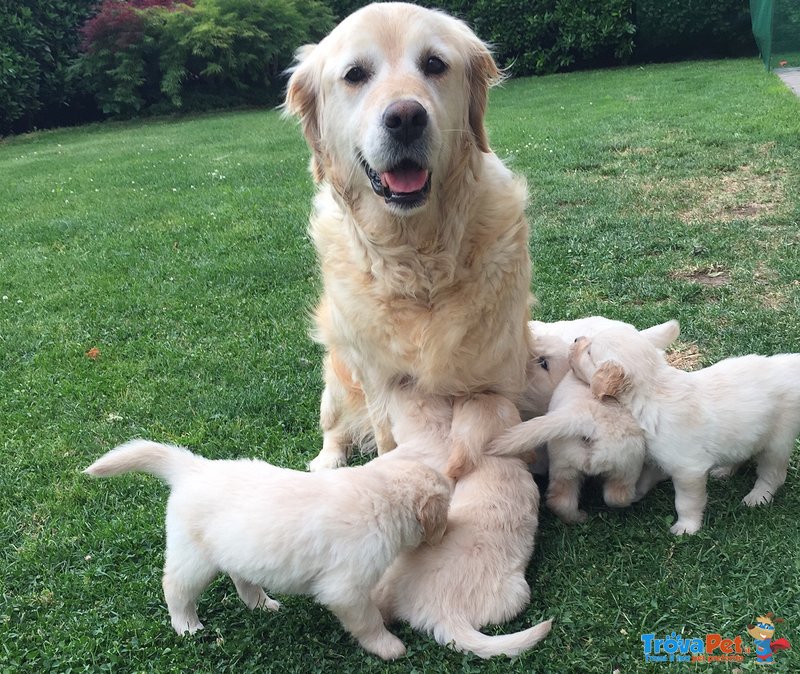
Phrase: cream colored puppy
pixel 330 535
pixel 698 421
pixel 477 574
pixel 419 228
pixel 584 435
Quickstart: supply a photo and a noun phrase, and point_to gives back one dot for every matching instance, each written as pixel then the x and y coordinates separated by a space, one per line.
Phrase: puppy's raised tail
pixel 527 436
pixel 165 461
pixel 462 636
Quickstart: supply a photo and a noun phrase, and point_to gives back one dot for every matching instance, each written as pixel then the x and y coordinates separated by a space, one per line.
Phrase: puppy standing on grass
pixel 697 421
pixel 330 534
pixel 584 435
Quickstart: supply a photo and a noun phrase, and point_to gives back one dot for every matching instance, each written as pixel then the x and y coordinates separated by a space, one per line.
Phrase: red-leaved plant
pixel 117 25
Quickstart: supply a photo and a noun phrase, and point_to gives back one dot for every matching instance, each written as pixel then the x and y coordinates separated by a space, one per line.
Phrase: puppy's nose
pixel 405 120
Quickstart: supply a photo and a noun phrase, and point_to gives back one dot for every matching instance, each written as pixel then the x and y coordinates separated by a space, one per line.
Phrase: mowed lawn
pixel 156 281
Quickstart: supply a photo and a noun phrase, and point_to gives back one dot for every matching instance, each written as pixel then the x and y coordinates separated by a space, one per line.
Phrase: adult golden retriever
pixel 419 228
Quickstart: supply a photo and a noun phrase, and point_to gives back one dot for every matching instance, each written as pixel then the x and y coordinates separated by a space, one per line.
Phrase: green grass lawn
pixel 177 248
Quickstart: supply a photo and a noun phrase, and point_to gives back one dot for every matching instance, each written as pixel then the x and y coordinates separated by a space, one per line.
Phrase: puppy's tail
pixel 462 636
pixel 527 436
pixel 165 461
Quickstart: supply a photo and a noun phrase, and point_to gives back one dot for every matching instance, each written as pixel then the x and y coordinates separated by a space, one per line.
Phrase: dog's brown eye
pixel 434 66
pixel 356 74
pixel 542 361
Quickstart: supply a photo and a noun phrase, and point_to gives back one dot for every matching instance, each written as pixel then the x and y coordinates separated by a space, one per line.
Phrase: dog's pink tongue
pixel 404 181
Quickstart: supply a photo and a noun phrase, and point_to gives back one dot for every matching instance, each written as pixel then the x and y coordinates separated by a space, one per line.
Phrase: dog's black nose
pixel 405 121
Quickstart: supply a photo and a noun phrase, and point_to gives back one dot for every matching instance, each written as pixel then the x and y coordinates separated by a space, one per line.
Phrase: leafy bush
pixel 38 40
pixel 543 36
pixel 119 66
pixel 671 31
pixel 161 55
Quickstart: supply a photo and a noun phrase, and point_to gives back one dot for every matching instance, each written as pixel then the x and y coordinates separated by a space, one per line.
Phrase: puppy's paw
pixel 685 527
pixel 327 462
pixel 186 626
pixel 618 494
pixel 388 647
pixel 757 497
pixel 271 605
pixel 265 603
pixel 568 515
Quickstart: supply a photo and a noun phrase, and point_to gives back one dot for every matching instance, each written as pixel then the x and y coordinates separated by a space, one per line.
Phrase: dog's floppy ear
pixel 661 336
pixel 302 98
pixel 609 380
pixel 432 516
pixel 482 72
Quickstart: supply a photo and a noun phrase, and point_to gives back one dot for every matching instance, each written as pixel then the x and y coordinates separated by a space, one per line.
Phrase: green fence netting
pixel 776 28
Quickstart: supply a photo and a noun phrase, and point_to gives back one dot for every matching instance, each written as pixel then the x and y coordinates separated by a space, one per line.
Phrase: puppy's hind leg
pixel 363 620
pixel 253 596
pixel 185 577
pixel 563 493
pixel 690 502
pixel 771 471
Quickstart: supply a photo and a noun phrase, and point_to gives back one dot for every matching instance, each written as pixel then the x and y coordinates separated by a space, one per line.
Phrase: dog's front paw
pixel 685 527
pixel 327 462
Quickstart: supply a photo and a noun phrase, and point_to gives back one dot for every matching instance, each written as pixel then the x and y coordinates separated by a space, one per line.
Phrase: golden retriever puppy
pixel 585 436
pixel 331 535
pixel 548 363
pixel 698 421
pixel 476 575
pixel 419 228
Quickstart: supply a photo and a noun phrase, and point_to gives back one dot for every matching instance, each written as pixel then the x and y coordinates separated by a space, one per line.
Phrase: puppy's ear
pixel 432 516
pixel 661 336
pixel 302 97
pixel 609 380
pixel 483 73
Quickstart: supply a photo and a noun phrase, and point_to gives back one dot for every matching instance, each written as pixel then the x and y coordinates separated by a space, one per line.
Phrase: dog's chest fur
pixel 446 308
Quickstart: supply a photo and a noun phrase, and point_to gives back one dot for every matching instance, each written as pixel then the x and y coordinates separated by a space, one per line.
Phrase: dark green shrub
pixel 671 31
pixel 234 49
pixel 542 36
pixel 38 40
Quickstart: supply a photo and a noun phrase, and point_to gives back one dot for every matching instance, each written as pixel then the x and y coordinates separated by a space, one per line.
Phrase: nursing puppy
pixel 698 421
pixel 476 575
pixel 419 228
pixel 330 535
pixel 584 436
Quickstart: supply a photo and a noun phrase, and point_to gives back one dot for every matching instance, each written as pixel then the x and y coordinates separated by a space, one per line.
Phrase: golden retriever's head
pixel 617 359
pixel 390 101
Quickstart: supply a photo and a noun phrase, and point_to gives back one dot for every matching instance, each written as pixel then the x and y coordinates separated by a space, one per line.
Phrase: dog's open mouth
pixel 406 185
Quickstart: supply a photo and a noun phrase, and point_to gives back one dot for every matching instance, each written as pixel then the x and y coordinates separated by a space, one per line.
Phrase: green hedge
pixel 671 31
pixel 38 41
